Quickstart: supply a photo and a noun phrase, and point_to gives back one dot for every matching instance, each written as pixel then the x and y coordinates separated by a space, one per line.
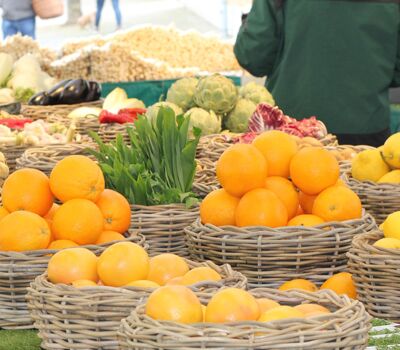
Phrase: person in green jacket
pixel 335 59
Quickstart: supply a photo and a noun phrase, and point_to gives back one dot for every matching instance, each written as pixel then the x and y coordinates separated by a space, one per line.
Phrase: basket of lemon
pixel 81 300
pixel 258 319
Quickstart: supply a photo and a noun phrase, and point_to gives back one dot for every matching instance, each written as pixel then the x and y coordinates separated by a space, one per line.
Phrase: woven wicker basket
pixel 17 271
pixel 45 158
pixel 345 328
pixel 108 132
pixel 345 165
pixel 12 153
pixel 376 275
pixel 268 256
pixel 70 318
pixel 43 112
pixel 205 180
pixel 163 226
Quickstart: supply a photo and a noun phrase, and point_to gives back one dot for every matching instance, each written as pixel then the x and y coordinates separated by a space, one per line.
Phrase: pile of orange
pixel 180 304
pixel 272 183
pixel 88 214
pixel 124 264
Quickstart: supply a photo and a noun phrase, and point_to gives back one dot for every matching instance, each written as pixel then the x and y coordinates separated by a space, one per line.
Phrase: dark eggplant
pixel 74 92
pixel 94 93
pixel 40 99
pixel 55 92
pixel 11 108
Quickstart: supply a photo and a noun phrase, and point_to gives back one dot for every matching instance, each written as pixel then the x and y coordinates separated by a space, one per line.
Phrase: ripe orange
pixel 23 230
pixel 200 274
pixel 307 202
pixel 77 177
pixel 109 236
pixel 278 149
pixel 299 284
pixel 50 214
pixel 61 244
pixel 175 281
pixel 165 267
pixel 69 265
pixel 266 304
pixel 218 208
pixel 78 220
pixel 280 313
pixel 337 203
pixel 122 263
pixel 84 283
pixel 174 303
pixel 143 284
pixel 3 212
pixel 285 191
pixel 232 305
pixel 241 168
pixel 261 207
pixel 116 211
pixel 341 283
pixel 311 310
pixel 313 169
pixel 306 220
pixel 27 189
pixel 299 211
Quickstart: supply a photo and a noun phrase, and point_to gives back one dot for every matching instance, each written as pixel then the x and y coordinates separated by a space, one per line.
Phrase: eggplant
pixel 55 92
pixel 74 92
pixel 40 99
pixel 94 93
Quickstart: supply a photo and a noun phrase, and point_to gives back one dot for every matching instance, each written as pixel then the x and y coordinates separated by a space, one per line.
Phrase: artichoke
pixel 182 92
pixel 208 122
pixel 216 93
pixel 256 93
pixel 238 119
pixel 152 111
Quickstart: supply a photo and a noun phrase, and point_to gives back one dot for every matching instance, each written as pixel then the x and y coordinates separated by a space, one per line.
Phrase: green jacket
pixel 334 59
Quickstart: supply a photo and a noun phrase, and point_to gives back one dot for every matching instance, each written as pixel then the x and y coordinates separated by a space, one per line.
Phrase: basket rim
pixel 363 240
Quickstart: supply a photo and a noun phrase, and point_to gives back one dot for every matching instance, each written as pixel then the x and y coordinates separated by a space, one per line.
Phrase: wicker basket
pixel 376 275
pixel 43 112
pixel 268 256
pixel 70 318
pixel 205 180
pixel 163 226
pixel 45 158
pixel 12 153
pixel 345 165
pixel 108 132
pixel 344 329
pixel 17 271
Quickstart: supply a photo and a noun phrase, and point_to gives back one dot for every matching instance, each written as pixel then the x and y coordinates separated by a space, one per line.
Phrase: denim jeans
pixel 24 26
pixel 115 3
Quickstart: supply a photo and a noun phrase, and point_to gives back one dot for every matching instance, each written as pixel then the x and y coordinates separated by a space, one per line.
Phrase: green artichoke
pixel 256 93
pixel 152 111
pixel 208 122
pixel 182 92
pixel 238 119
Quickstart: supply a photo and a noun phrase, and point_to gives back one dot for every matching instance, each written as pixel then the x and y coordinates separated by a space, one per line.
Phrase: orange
pixel 203 309
pixel 116 211
pixel 337 203
pixel 305 220
pixel 62 244
pixel 280 313
pixel 109 236
pixel 307 202
pixel 241 168
pixel 50 214
pixel 310 310
pixel 165 267
pixel 313 169
pixel 299 211
pixel 143 284
pixel 278 148
pixel 266 304
pixel 69 265
pixel 77 177
pixel 341 283
pixel 3 212
pixel 218 208
pixel 232 305
pixel 23 230
pixel 175 281
pixel 261 207
pixel 78 220
pixel 122 263
pixel 200 274
pixel 299 284
pixel 340 182
pixel 27 189
pixel 174 303
pixel 84 283
pixel 285 191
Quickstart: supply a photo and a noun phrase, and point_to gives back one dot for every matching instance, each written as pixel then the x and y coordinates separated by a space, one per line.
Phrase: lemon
pixel 391 226
pixel 369 165
pixel 390 243
pixel 391 151
pixel 392 177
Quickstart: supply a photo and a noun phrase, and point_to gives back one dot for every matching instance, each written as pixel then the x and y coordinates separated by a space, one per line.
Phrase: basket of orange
pixel 269 227
pixel 374 260
pixel 255 319
pixel 33 226
pixel 80 301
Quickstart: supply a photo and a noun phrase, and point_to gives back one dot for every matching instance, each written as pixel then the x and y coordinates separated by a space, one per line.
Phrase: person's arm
pixel 257 43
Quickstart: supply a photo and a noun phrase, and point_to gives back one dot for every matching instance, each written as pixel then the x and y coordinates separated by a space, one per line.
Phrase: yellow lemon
pixel 389 243
pixel 391 151
pixel 391 226
pixel 392 177
pixel 368 165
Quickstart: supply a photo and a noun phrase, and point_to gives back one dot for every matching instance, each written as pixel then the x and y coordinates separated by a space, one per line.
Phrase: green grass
pixel 19 340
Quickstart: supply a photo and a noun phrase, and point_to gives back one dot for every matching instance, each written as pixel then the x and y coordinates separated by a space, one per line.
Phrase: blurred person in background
pixel 333 59
pixel 18 17
pixel 100 5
